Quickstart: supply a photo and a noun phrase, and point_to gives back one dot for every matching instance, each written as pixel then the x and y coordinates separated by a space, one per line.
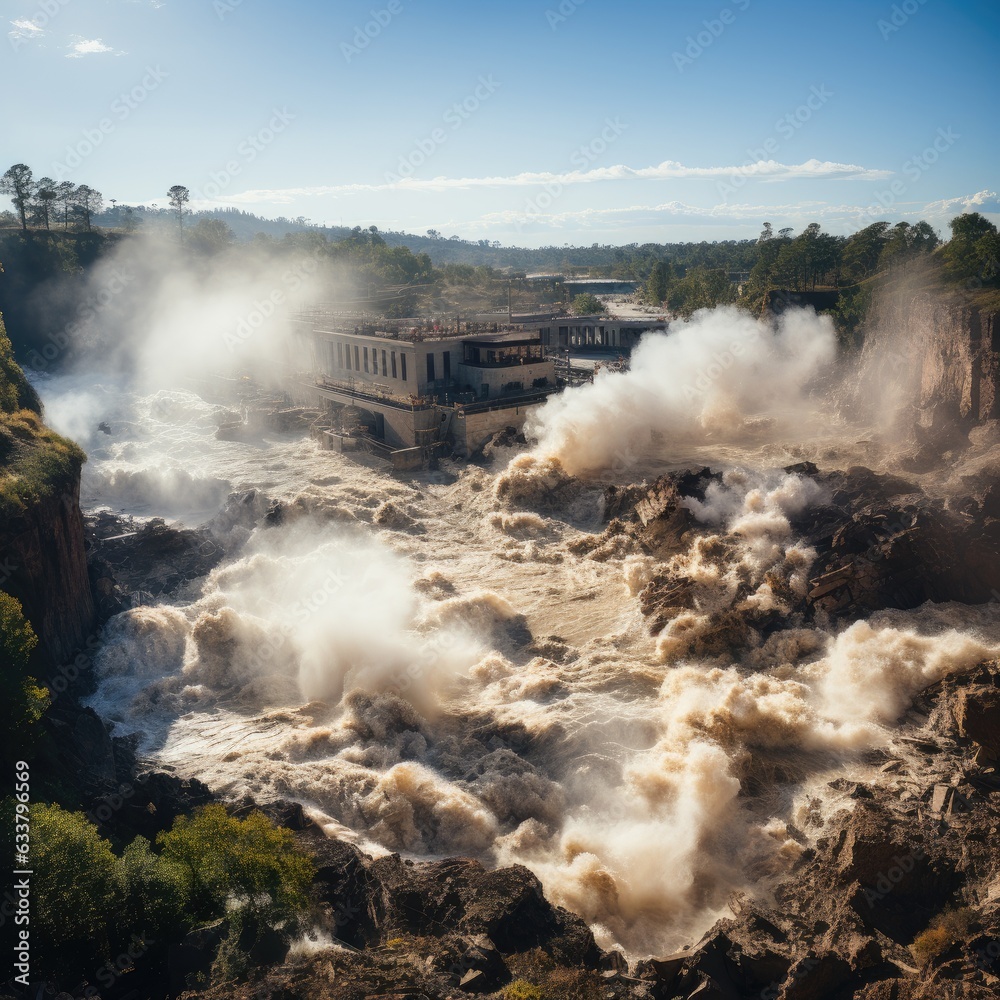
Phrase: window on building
pixel 340 355
pixel 347 356
pixel 357 358
pixel 446 363
pixel 393 364
pixel 385 367
pixel 402 365
pixel 366 358
pixel 430 368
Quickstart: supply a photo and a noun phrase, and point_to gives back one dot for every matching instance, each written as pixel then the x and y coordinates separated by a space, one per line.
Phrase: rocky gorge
pixel 891 894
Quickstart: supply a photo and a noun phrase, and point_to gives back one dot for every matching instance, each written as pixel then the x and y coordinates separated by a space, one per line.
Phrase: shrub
pixel 945 930
pixel 232 963
pixel 588 305
pixel 521 989
pixel 15 391
pixel 247 864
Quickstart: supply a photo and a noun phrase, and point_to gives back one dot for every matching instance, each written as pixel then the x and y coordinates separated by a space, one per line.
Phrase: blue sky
pixel 526 121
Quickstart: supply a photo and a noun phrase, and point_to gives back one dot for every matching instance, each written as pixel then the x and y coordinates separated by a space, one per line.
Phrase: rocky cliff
pixel 45 568
pixel 42 553
pixel 938 349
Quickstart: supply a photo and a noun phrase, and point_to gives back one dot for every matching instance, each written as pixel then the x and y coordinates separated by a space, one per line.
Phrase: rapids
pixel 431 665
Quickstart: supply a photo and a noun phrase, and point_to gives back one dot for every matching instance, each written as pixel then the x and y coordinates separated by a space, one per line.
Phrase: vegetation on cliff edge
pixel 35 462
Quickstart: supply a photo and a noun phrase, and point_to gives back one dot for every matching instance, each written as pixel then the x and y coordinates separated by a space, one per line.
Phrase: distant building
pixel 594 333
pixel 579 286
pixel 599 286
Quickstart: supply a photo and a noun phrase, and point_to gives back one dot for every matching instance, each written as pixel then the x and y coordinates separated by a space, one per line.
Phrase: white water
pixel 467 682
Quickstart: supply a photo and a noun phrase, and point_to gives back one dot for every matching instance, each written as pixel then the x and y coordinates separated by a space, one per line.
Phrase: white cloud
pixel 840 217
pixel 24 28
pixel 985 201
pixel 88 47
pixel 767 170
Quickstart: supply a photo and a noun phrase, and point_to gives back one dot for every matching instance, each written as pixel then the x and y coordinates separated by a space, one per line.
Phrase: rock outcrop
pixel 880 542
pixel 45 568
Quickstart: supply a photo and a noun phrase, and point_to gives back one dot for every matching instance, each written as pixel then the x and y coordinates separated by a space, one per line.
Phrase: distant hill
pixel 442 250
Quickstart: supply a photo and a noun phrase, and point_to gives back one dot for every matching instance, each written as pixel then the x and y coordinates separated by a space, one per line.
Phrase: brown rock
pixel 977 712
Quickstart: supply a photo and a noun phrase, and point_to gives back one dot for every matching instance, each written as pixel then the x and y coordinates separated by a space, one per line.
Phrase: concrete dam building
pixel 406 393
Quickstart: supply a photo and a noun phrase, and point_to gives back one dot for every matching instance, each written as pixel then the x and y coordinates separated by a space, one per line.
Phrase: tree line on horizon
pixel 46 201
pixel 815 260
pixel 400 279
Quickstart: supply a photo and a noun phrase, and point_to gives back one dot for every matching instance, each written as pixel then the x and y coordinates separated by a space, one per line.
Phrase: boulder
pixel 473 963
pixel 977 712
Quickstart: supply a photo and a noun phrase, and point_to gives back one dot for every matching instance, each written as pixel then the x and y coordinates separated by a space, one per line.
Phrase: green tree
pixel 248 864
pixel 65 199
pixel 762 273
pixel 179 197
pixel 45 196
pixel 132 220
pixel 863 250
pixel 24 698
pixel 587 305
pixel 77 889
pixel 971 251
pixel 658 283
pixel 18 184
pixel 157 892
pixel 210 236
pixel 700 288
pixel 904 242
pixel 88 202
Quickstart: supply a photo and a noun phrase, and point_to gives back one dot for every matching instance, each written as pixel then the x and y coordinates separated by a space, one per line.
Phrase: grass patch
pixel 35 462
pixel 521 989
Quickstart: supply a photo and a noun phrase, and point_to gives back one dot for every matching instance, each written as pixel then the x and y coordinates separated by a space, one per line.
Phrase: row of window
pixel 370 360
pixel 354 357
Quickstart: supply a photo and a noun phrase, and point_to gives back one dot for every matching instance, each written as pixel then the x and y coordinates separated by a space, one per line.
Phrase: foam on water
pixel 431 666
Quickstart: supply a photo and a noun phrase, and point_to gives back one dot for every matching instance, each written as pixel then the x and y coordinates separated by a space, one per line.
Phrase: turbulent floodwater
pixel 437 665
